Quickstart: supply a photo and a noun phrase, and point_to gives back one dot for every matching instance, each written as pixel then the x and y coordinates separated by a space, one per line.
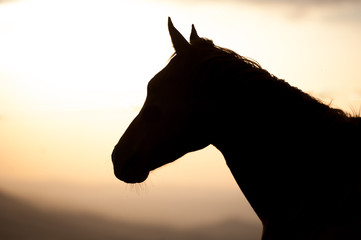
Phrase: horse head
pixel 170 123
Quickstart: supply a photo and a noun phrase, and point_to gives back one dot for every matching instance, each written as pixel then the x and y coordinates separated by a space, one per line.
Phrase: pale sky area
pixel 73 75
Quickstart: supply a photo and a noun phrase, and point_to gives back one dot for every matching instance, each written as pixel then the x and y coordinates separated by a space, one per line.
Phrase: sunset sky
pixel 73 75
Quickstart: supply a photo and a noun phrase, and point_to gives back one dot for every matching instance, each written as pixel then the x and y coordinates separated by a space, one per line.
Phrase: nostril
pixel 119 155
pixel 117 166
pixel 114 154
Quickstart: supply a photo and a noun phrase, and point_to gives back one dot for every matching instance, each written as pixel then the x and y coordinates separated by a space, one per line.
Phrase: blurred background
pixel 73 75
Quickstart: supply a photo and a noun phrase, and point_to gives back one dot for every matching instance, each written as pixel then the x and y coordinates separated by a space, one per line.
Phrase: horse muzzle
pixel 128 169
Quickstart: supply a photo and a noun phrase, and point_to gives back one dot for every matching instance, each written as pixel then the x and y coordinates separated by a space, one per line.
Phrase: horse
pixel 295 159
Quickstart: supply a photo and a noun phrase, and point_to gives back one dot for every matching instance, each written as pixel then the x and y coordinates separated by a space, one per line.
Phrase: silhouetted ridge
pixel 21 220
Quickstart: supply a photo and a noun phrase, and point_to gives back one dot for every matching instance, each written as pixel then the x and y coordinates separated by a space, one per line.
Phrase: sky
pixel 73 75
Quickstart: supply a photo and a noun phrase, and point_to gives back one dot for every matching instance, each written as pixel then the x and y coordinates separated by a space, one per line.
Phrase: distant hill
pixel 21 220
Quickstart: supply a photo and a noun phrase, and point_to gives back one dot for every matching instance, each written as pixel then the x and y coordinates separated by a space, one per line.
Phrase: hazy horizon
pixel 45 223
pixel 164 206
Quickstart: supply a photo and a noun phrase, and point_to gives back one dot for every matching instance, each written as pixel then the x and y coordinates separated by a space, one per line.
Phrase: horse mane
pixel 204 43
pixel 224 59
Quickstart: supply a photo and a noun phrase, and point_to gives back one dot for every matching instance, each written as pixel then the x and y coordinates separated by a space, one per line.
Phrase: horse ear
pixel 180 44
pixel 194 34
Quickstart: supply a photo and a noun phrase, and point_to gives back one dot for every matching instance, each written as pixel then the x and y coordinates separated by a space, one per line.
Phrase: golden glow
pixel 73 75
pixel 77 54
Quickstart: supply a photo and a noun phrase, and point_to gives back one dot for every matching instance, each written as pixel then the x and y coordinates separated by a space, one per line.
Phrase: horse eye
pixel 151 114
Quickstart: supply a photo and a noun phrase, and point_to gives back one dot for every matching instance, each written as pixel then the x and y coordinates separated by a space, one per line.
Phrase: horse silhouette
pixel 296 159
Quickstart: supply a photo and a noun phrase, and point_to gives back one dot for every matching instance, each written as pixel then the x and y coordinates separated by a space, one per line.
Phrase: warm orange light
pixel 73 75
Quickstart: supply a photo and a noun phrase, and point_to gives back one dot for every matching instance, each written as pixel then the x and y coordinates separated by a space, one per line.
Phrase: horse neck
pixel 278 128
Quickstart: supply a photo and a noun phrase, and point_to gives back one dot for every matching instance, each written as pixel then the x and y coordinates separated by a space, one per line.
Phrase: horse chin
pixel 139 178
pixel 136 179
pixel 130 176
